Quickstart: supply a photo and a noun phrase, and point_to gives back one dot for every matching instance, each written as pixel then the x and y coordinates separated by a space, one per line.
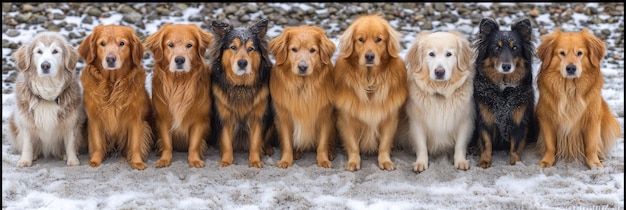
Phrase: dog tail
pixel 610 131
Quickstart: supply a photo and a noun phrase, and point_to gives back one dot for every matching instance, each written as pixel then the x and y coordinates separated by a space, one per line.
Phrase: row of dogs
pixel 446 94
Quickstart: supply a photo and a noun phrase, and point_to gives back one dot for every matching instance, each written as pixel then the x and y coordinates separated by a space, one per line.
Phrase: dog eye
pixel 233 47
pixel 514 47
pixel 294 49
pixel 189 45
pixel 448 54
pixel 431 54
pixel 579 53
pixel 312 50
pixel 122 43
pixel 379 39
pixel 250 49
pixel 562 53
pixel 360 39
pixel 55 51
pixel 102 43
pixel 170 45
pixel 39 52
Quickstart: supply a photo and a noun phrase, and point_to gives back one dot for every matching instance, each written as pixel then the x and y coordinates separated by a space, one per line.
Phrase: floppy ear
pixel 393 44
pixel 136 48
pixel 346 42
pixel 278 46
pixel 596 47
pixel 204 40
pixel 488 26
pixel 464 54
pixel 87 48
pixel 327 47
pixel 414 56
pixel 153 43
pixel 523 28
pixel 546 48
pixel 70 57
pixel 260 28
pixel 23 57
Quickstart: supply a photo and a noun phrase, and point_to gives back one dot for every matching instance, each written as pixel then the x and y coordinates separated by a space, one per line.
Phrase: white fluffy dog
pixel 440 108
pixel 49 115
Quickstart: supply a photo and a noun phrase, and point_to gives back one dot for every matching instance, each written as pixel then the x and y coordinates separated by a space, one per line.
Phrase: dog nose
pixel 570 69
pixel 506 67
pixel 45 66
pixel 110 58
pixel 440 72
pixel 179 60
pixel 369 56
pixel 303 66
pixel 242 63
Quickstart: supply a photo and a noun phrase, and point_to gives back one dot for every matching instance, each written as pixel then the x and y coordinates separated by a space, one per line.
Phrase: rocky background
pixel 333 17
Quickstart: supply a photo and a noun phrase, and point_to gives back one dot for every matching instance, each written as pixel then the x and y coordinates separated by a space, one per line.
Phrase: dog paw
pixel 163 163
pixel 297 155
pixel 484 164
pixel 225 164
pixel 544 164
pixel 325 164
pixel 93 163
pixel 255 164
pixel 420 166
pixel 138 166
pixel 73 162
pixel 283 164
pixel 331 155
pixel 594 165
pixel 352 166
pixel 461 165
pixel 24 163
pixel 269 151
pixel 389 166
pixel 196 164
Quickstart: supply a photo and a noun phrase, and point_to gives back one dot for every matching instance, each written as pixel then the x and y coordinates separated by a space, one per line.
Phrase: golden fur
pixel 49 115
pixel 181 95
pixel 574 119
pixel 440 104
pixel 369 93
pixel 115 98
pixel 301 87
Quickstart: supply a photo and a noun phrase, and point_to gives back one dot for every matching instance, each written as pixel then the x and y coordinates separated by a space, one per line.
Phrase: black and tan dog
pixel 503 90
pixel 240 72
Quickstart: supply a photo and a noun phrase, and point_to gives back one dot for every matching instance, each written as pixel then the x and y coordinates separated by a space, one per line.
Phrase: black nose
pixel 570 69
pixel 179 60
pixel 439 72
pixel 369 56
pixel 110 59
pixel 242 63
pixel 45 66
pixel 302 66
pixel 506 67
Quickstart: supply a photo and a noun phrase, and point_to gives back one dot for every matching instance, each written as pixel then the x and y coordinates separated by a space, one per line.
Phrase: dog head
pixel 112 47
pixel 242 53
pixel 507 51
pixel 179 47
pixel 302 48
pixel 440 54
pixel 48 54
pixel 371 39
pixel 571 53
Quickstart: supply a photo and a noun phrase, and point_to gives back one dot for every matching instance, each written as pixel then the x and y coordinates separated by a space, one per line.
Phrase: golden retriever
pixel 181 96
pixel 575 121
pixel 440 105
pixel 370 87
pixel 115 97
pixel 49 116
pixel 302 87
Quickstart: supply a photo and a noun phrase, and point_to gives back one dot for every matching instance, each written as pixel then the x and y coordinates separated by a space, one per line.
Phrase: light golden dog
pixel 301 87
pixel 371 87
pixel 49 116
pixel 440 105
pixel 181 95
pixel 116 100
pixel 575 121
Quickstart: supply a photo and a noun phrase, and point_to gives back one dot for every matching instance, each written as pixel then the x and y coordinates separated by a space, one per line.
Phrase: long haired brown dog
pixel 301 86
pixel 574 119
pixel 49 116
pixel 115 98
pixel 371 87
pixel 240 71
pixel 181 95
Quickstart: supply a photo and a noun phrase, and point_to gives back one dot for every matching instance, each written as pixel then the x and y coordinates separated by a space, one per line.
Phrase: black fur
pixel 502 102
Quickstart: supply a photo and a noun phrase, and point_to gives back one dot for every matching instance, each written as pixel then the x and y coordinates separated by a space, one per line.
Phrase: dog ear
pixel 136 48
pixel 220 28
pixel 546 48
pixel 278 46
pixel 488 26
pixel 465 53
pixel 260 28
pixel 346 42
pixel 87 48
pixel 523 28
pixel 154 43
pixel 414 57
pixel 393 44
pixel 205 40
pixel 327 48
pixel 22 57
pixel 70 57
pixel 596 47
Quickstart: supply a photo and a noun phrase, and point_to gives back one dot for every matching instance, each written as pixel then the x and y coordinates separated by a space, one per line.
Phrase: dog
pixel 574 120
pixel 49 116
pixel 181 94
pixel 440 105
pixel 115 97
pixel 370 89
pixel 240 72
pixel 503 89
pixel 302 89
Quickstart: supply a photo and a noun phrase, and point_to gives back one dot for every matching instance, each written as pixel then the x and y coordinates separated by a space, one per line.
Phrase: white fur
pixel 241 71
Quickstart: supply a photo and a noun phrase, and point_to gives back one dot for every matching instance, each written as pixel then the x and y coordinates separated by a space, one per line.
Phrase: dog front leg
pixel 591 137
pixel 460 148
pixel 137 143
pixel 350 141
pixel 164 143
pixel 548 139
pixel 256 143
pixel 197 146
pixel 26 158
pixel 387 134
pixel 97 147
pixel 419 142
pixel 71 147
pixel 226 144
